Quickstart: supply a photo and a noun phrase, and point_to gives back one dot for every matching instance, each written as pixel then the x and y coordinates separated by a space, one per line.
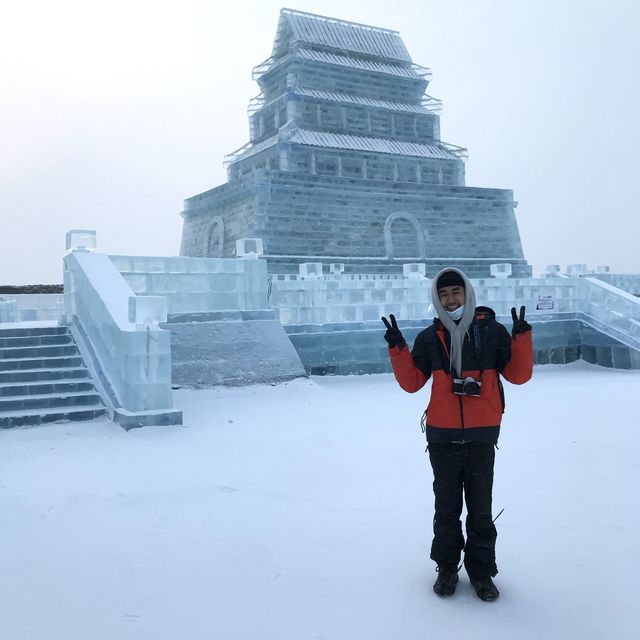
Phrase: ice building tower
pixel 345 164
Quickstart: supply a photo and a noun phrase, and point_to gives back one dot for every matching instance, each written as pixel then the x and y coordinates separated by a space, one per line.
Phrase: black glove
pixel 393 335
pixel 520 325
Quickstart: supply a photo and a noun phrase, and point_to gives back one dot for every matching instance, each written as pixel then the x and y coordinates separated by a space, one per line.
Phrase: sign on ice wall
pixel 545 303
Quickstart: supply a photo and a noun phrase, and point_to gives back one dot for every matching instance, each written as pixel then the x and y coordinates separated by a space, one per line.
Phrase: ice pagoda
pixel 345 165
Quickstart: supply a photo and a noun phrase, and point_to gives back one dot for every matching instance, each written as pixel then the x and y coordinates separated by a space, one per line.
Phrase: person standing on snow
pixel 465 351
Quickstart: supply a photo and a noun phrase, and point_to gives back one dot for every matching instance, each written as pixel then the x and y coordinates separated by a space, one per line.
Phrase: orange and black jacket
pixel 488 352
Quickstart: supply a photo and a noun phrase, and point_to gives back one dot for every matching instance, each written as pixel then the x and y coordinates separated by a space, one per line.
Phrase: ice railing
pixel 606 308
pixel 340 298
pixel 198 285
pixel 28 307
pixel 613 311
pixel 130 352
pixel 629 282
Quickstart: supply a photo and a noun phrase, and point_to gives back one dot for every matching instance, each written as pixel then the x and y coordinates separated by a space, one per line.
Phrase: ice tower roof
pixel 299 27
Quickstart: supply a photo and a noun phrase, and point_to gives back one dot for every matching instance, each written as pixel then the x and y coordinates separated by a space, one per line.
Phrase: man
pixel 465 351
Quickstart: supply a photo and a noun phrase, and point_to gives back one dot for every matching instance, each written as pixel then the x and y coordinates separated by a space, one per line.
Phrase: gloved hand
pixel 520 325
pixel 393 335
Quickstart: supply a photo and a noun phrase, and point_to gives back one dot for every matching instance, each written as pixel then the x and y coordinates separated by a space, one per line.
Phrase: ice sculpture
pixel 345 163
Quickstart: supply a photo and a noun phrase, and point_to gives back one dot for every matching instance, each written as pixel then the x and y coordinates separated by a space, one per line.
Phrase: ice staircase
pixel 43 378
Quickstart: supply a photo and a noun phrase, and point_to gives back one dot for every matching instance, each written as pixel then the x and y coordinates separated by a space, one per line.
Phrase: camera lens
pixel 471 388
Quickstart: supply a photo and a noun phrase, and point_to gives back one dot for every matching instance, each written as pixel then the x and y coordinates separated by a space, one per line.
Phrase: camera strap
pixel 477 345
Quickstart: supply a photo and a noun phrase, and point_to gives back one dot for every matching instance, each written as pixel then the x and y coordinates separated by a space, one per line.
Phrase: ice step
pixel 18 364
pixel 62 386
pixel 41 375
pixel 35 331
pixel 35 341
pixel 12 419
pixel 48 401
pixel 39 351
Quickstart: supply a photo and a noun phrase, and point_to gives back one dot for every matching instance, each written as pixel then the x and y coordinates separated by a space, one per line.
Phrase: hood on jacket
pixel 457 330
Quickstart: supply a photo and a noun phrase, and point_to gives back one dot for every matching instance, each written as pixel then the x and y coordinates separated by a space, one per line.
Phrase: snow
pixel 303 511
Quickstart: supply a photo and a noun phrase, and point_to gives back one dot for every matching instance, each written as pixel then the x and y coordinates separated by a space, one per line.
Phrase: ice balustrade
pixel 130 351
pixel 332 299
pixel 629 282
pixel 338 334
pixel 33 307
pixel 612 311
pixel 606 308
pixel 198 285
pixel 8 311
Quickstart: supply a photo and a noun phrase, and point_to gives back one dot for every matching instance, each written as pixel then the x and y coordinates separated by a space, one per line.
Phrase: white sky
pixel 112 113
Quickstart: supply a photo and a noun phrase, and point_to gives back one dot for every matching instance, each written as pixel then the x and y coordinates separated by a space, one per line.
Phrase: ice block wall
pixel 222 331
pixel 126 348
pixel 334 321
pixel 198 285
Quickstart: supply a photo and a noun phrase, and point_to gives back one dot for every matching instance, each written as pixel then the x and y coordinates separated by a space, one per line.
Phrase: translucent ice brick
pixel 500 269
pixel 310 269
pixel 249 248
pixel 147 310
pixel 81 240
pixel 414 270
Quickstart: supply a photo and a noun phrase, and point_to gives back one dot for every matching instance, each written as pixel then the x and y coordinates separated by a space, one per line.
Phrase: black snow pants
pixel 468 467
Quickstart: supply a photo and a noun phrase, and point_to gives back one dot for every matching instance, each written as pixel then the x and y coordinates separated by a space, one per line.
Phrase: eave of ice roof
pixel 376 145
pixel 249 150
pixel 348 142
pixel 356 63
pixel 298 26
pixel 414 72
pixel 334 96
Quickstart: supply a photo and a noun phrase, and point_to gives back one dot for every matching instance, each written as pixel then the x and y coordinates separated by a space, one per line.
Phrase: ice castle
pixel 337 211
pixel 345 165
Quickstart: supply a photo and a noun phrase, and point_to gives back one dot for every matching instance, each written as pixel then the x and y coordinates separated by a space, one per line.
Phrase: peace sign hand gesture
pixel 393 335
pixel 520 325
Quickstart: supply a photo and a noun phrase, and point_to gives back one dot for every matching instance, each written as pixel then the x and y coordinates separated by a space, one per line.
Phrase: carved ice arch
pixel 214 238
pixel 421 235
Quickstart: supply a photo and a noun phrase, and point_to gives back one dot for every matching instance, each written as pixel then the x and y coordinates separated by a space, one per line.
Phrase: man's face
pixel 451 298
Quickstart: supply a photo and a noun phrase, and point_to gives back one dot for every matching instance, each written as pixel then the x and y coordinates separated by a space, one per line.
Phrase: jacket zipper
pixel 444 348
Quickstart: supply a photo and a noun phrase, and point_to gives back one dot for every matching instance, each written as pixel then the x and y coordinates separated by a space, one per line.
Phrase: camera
pixel 466 386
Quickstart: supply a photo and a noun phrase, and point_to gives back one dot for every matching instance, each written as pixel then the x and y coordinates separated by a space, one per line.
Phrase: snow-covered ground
pixel 303 512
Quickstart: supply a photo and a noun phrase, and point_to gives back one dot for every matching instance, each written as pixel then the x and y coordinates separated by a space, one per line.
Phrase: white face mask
pixel 457 314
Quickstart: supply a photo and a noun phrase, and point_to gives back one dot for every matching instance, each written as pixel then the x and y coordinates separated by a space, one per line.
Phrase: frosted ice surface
pixel 414 270
pixel 249 248
pixel 500 270
pixel 81 239
pixel 147 311
pixel 137 363
pixel 576 269
pixel 310 269
pixel 8 311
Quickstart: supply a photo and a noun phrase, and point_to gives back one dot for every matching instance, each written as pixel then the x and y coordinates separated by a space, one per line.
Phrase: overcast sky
pixel 112 113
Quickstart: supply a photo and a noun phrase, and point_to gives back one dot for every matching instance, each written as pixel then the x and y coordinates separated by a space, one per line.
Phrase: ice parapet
pixel 198 285
pixel 8 311
pixel 249 248
pixel 414 270
pixel 134 363
pixel 81 240
pixel 500 270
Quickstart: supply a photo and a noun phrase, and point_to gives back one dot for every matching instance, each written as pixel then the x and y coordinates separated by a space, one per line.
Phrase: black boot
pixel 485 589
pixel 445 584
